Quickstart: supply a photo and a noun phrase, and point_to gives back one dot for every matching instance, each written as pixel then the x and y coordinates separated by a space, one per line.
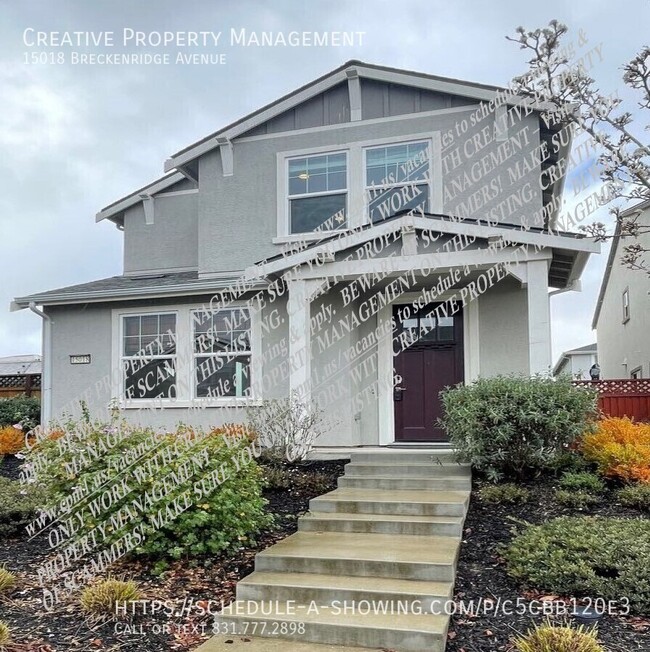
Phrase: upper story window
pixel 397 178
pixel 626 305
pixel 318 192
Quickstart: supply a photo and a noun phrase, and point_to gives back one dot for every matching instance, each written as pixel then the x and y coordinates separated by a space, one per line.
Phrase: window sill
pixel 184 404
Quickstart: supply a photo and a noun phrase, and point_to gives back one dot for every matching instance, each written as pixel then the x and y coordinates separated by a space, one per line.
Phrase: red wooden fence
pixel 622 397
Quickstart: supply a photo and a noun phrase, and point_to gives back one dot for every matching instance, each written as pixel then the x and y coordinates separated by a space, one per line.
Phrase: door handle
pixel 397 393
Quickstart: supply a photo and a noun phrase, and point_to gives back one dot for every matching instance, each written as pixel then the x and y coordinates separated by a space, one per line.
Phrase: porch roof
pixel 570 251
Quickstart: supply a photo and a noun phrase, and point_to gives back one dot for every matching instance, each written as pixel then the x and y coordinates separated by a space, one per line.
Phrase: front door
pixel 428 357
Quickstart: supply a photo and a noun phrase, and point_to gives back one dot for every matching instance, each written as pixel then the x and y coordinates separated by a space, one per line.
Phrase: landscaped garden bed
pixel 558 520
pixel 186 591
pixel 482 574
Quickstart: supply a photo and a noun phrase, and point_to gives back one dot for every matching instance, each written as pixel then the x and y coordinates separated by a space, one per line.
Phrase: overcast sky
pixel 75 138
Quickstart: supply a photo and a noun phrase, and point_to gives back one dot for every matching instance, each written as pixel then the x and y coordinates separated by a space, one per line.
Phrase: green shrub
pixel 101 598
pixel 20 409
pixel 578 498
pixel 5 635
pixel 582 481
pixel 635 496
pixel 568 461
pixel 585 556
pixel 504 493
pixel 183 493
pixel 550 638
pixel 510 426
pixel 18 505
pixel 7 580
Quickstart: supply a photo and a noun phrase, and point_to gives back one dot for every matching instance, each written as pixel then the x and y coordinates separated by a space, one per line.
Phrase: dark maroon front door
pixel 428 350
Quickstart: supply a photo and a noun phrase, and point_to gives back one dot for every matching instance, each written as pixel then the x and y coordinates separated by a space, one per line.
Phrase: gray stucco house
pixel 622 315
pixel 364 241
pixel 577 362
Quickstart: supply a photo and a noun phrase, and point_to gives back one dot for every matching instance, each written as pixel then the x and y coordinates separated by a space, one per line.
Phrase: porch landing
pixel 345 452
pixel 372 564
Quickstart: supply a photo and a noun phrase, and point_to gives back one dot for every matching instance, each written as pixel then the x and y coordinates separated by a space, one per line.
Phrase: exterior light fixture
pixel 587 616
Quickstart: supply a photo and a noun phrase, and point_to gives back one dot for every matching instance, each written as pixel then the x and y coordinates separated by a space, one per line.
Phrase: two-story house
pixel 363 242
pixel 622 315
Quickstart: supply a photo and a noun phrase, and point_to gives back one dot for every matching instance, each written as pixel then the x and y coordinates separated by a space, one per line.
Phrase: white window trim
pixel 386 361
pixel 249 353
pixel 284 211
pixel 625 294
pixel 184 359
pixel 356 178
pixel 430 145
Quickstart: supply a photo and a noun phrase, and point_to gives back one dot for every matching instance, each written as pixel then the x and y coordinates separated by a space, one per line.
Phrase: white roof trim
pixel 406 78
pixel 585 245
pixel 94 296
pixel 136 197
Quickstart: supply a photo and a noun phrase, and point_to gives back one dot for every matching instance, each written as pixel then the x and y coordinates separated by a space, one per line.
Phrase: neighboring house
pixel 296 250
pixel 20 374
pixel 577 362
pixel 622 315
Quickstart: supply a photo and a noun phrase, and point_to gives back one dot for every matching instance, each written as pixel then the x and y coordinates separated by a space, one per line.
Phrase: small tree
pixel 287 427
pixel 574 100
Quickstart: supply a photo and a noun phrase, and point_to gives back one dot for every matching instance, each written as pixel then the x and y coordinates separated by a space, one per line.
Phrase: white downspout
pixel 46 378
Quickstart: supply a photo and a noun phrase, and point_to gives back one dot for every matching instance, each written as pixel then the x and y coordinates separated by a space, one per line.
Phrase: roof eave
pixel 115 211
pixel 462 88
pixel 98 296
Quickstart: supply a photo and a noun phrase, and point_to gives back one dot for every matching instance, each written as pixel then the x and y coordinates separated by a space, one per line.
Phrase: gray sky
pixel 75 138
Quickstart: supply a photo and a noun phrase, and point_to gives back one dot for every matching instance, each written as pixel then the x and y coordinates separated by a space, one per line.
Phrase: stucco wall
pixel 503 327
pixel 623 347
pixel 238 213
pixel 170 243
pixel 347 388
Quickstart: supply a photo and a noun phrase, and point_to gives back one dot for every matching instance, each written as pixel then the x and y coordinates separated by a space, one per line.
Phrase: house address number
pixel 80 359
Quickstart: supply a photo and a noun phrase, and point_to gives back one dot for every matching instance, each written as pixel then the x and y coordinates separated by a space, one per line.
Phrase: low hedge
pixel 18 505
pixel 511 426
pixel 20 409
pixel 596 557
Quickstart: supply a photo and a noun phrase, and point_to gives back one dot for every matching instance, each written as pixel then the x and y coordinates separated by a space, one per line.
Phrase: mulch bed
pixel 187 593
pixel 481 574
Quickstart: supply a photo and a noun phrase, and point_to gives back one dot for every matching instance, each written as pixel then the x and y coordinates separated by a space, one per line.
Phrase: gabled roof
pixel 115 210
pixel 611 258
pixel 576 247
pixel 581 350
pixel 20 365
pixel 472 90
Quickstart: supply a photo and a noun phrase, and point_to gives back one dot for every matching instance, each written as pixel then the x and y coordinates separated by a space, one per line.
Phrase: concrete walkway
pixel 372 563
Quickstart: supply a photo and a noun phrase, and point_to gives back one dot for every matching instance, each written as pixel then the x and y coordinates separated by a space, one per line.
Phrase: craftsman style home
pixel 362 242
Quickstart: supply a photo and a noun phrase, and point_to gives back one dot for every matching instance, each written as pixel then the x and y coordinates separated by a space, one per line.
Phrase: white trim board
pixel 385 365
pixel 185 358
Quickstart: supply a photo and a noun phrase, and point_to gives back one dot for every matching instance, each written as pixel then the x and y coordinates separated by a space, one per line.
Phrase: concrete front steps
pixel 372 563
